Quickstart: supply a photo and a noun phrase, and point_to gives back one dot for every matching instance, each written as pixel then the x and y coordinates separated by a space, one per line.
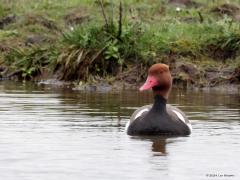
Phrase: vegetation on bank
pixel 87 40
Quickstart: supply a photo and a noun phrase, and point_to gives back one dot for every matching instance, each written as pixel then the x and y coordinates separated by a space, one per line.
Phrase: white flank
pixel 190 126
pixel 137 115
pixel 141 112
pixel 180 116
pixel 127 125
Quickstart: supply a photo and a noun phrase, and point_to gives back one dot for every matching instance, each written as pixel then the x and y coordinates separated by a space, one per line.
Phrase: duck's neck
pixel 159 103
pixel 163 93
pixel 162 90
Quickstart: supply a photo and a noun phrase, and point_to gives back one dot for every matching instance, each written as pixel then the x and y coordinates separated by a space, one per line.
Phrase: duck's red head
pixel 159 79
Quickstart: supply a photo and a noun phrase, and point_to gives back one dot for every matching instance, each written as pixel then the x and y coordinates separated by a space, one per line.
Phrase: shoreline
pixel 185 76
pixel 105 87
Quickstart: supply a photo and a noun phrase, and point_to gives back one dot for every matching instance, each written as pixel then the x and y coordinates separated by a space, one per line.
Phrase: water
pixel 48 134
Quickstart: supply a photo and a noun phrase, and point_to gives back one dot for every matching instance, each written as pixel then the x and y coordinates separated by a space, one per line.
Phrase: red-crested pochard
pixel 159 118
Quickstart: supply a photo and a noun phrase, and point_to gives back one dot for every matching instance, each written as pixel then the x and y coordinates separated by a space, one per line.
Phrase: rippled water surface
pixel 53 133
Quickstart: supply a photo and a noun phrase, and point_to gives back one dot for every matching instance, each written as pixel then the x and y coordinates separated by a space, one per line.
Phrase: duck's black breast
pixel 159 119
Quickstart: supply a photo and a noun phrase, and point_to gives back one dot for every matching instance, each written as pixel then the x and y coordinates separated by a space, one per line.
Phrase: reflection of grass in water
pixel 114 104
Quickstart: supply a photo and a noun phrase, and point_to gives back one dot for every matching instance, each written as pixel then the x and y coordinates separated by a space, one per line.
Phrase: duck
pixel 158 118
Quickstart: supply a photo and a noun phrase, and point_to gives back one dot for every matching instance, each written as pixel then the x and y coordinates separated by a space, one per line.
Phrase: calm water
pixel 58 134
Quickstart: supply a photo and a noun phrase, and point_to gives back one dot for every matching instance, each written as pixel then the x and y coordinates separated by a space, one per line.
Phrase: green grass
pixel 30 61
pixel 152 31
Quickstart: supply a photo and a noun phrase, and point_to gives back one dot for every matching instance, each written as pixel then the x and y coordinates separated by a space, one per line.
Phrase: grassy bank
pixel 87 40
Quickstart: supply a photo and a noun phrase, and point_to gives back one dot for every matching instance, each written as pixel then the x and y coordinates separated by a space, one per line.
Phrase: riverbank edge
pixel 106 86
pixel 185 76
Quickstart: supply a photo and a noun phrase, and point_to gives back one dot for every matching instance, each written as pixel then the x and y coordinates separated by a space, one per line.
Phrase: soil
pixel 186 76
pixel 35 39
pixel 228 9
pixel 216 52
pixel 236 76
pixel 4 47
pixel 76 16
pixel 7 20
pixel 39 19
pixel 186 3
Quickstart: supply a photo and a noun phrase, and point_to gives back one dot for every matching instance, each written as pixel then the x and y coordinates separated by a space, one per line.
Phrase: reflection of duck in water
pixel 159 146
pixel 159 118
pixel 159 143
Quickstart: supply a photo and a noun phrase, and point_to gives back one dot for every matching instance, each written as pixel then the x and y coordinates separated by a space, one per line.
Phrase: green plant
pixel 112 51
pixel 7 33
pixel 89 36
pixel 29 62
pixel 2 11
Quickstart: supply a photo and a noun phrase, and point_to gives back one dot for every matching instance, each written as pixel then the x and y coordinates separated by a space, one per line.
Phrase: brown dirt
pixel 35 39
pixel 39 19
pixel 235 76
pixel 4 47
pixel 77 16
pixel 185 75
pixel 7 20
pixel 228 9
pixel 187 3
pixel 133 75
pixel 218 53
pixel 216 77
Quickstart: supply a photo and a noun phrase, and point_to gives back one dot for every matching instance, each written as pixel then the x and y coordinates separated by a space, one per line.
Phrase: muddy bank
pixel 104 86
pixel 115 84
pixel 185 76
